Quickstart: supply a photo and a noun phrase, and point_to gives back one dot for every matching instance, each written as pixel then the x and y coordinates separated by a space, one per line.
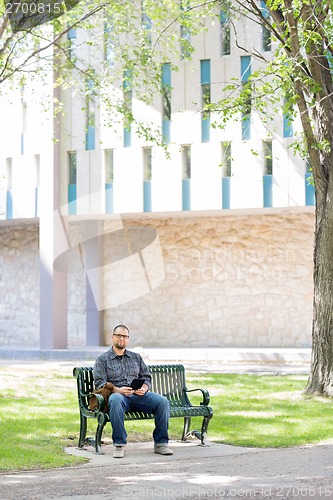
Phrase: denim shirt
pixel 120 370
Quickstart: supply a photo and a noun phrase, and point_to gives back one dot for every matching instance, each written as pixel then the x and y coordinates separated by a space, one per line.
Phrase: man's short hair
pixel 121 326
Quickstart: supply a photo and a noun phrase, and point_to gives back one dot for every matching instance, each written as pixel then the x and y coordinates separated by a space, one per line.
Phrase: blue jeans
pixel 151 402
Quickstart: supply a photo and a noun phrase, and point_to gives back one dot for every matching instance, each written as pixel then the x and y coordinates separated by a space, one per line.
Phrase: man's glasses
pixel 119 336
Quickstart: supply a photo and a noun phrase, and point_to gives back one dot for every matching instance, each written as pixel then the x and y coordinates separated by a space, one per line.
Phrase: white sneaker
pixel 163 450
pixel 119 452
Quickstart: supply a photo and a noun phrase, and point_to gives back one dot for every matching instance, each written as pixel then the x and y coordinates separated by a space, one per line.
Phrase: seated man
pixel 120 366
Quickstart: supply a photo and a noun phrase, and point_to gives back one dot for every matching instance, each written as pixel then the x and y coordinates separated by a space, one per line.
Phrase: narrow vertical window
pixel 185 32
pixel 146 24
pixel 128 96
pixel 24 117
pixel 9 173
pixel 247 92
pixel 166 102
pixel 108 165
pixel 72 176
pixel 72 167
pixel 329 58
pixel 186 177
pixel 225 30
pixel 226 173
pixel 266 36
pixel 267 158
pixel 288 129
pixel 37 169
pixel 267 152
pixel 147 164
pixel 310 197
pixel 109 45
pixel 9 178
pixel 37 182
pixel 226 159
pixel 205 99
pixel 308 168
pixel 72 46
pixel 186 162
pixel 90 114
pixel 147 160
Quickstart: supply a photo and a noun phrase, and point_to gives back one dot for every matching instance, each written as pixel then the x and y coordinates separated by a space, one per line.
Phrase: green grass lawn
pixel 39 414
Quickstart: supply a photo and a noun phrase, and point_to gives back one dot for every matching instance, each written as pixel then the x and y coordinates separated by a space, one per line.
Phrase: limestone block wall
pixel 231 280
pixel 19 285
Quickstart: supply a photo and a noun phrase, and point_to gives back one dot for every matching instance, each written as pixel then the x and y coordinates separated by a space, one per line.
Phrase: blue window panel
pixel 127 80
pixel 36 202
pixel 166 74
pixel 71 199
pixel 205 71
pixel 186 194
pixel 268 190
pixel 226 192
pixel 166 85
pixel 9 205
pixel 245 74
pixel 147 196
pixel 288 130
pixel 146 21
pixel 109 198
pixel 22 143
pixel 329 58
pixel 71 34
pixel 245 68
pixel 310 199
pixel 90 138
pixel 264 10
pixel 224 17
pixel 246 127
pixel 127 138
pixel 166 129
pixel 205 130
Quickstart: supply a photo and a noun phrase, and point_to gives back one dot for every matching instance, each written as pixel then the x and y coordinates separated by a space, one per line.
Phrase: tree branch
pixel 45 47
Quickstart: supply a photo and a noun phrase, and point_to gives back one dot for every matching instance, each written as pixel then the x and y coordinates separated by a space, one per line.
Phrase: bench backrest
pixel 168 380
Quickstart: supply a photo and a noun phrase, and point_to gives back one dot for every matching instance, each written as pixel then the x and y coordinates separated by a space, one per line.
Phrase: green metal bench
pixel 168 380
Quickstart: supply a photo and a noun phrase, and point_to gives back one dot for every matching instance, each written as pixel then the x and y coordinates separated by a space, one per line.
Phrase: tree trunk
pixel 321 375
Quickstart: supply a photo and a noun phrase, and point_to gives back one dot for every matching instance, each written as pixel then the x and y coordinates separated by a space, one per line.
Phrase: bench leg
pixel 186 428
pixel 83 430
pixel 204 428
pixel 99 431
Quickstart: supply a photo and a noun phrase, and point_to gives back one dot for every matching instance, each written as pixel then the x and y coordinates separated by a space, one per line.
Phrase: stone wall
pixel 19 284
pixel 232 279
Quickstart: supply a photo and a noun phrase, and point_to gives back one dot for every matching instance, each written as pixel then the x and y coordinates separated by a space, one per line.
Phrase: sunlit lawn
pixel 39 414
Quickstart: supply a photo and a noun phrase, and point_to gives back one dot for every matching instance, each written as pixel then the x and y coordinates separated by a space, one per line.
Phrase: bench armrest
pixel 205 396
pixel 100 401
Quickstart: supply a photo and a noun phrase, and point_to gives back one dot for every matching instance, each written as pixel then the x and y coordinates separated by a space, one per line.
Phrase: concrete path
pixel 217 471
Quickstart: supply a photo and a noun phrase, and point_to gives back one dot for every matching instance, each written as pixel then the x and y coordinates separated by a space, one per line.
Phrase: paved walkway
pixel 196 472
pixel 218 471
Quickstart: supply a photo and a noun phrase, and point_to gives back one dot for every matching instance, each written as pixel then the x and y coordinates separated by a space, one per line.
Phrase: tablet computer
pixel 137 383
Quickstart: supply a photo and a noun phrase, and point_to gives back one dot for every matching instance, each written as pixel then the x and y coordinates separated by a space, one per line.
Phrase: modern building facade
pixel 99 226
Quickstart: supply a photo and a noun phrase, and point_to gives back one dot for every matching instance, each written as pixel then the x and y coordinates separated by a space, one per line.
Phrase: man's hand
pixel 126 391
pixel 142 391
